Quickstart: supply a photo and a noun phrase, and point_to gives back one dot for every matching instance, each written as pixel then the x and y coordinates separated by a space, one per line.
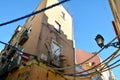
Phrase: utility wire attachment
pixel 31 14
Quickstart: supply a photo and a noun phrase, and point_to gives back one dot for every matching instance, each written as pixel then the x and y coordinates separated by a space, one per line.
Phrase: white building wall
pixel 107 74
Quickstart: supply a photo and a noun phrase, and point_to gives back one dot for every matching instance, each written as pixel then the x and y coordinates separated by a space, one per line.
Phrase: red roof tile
pixel 81 56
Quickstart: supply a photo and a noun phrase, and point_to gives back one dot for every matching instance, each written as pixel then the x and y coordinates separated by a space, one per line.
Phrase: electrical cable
pixel 113 57
pixel 87 59
pixel 109 68
pixel 31 14
pixel 14 20
pixel 113 63
pixel 86 75
pixel 117 56
pixel 65 68
pixel 80 73
pixel 59 68
pixel 101 62
pixel 17 49
pixel 67 74
pixel 93 73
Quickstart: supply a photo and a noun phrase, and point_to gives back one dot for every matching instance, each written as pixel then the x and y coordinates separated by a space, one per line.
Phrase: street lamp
pixel 100 41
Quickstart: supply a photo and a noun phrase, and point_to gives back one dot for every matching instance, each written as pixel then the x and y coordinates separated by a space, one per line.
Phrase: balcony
pixel 24 37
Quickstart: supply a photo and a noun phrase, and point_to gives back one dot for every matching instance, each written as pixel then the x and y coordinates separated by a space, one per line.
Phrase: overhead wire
pixel 17 49
pixel 113 63
pixel 65 68
pixel 36 12
pixel 35 55
pixel 33 13
pixel 88 58
pixel 109 68
pixel 117 56
pixel 80 73
pixel 67 74
pixel 93 73
pixel 14 20
pixel 113 57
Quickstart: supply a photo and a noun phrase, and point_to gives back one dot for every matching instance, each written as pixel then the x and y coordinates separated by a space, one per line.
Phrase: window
pixel 57 26
pixel 63 15
pixel 55 53
pixel 55 48
pixel 44 57
pixel 29 30
pixel 19 28
pixel 25 35
pixel 7 47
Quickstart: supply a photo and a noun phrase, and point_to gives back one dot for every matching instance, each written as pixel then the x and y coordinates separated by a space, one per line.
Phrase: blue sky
pixel 90 17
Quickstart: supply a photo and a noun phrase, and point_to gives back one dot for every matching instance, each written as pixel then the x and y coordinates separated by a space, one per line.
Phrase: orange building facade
pixel 47 37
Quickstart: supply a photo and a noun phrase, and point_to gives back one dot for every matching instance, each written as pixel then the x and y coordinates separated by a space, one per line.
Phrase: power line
pixel 85 75
pixel 113 63
pixel 55 67
pixel 117 56
pixel 109 68
pixel 80 73
pixel 17 49
pixel 65 68
pixel 102 62
pixel 113 57
pixel 31 14
pixel 14 20
pixel 68 74
pixel 88 58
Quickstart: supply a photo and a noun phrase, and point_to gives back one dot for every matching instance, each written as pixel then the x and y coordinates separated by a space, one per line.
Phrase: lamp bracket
pixel 115 44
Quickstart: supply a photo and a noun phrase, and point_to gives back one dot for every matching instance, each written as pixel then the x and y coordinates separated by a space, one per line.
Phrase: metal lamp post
pixel 100 41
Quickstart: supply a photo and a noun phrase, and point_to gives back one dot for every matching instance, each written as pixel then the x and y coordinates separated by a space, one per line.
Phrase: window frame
pixel 55 57
pixel 63 15
pixel 57 27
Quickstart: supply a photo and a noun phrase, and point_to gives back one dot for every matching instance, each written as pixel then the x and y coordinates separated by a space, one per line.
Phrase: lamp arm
pixel 115 44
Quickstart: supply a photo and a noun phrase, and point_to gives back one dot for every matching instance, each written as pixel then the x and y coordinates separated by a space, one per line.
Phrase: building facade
pixel 82 56
pixel 47 35
pixel 115 7
pixel 91 66
pixel 52 32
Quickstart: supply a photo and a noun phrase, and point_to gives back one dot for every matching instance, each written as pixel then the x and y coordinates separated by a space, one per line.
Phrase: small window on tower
pixel 57 26
pixel 63 15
